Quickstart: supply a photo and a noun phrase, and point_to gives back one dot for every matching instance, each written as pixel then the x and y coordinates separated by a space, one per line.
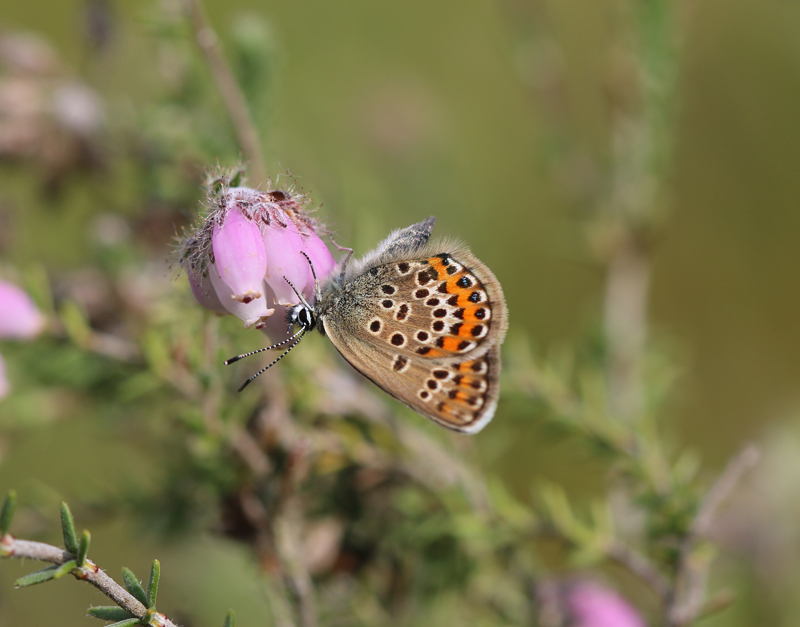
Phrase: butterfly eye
pixel 305 318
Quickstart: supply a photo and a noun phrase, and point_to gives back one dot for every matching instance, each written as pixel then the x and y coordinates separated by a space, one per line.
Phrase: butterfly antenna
pixel 228 362
pixel 317 291
pixel 299 295
pixel 265 368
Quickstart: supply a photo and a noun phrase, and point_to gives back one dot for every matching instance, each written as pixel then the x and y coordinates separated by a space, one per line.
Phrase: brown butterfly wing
pixel 427 329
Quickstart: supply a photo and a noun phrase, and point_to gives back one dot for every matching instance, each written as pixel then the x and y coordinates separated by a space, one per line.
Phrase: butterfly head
pixel 302 315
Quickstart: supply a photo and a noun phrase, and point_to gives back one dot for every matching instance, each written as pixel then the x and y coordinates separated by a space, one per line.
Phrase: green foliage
pixel 110 612
pixel 83 548
pixel 152 585
pixel 134 586
pixel 7 512
pixel 68 529
pixel 40 576
pixel 79 568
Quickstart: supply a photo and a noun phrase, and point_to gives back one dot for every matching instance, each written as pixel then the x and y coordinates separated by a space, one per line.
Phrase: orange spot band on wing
pixel 451 344
pixel 461 396
pixel 441 269
pixel 451 414
pixel 465 330
pixel 431 353
pixel 463 297
pixel 469 313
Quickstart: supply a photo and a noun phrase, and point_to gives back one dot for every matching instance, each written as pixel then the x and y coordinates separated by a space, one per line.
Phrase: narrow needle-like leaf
pixel 68 529
pixel 134 586
pixel 152 584
pixel 40 576
pixel 65 568
pixel 83 547
pixel 111 612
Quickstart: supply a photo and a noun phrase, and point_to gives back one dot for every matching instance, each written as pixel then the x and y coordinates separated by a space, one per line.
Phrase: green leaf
pixel 38 286
pixel 111 612
pixel 156 350
pixel 64 569
pixel 7 513
pixel 40 576
pixel 230 619
pixel 134 586
pixel 152 584
pixel 237 177
pixel 83 547
pixel 128 622
pixel 68 529
pixel 76 323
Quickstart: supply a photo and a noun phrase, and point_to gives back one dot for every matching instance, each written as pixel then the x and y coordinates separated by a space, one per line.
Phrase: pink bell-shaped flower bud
pixel 276 327
pixel 285 260
pixel 253 313
pixel 592 605
pixel 5 387
pixel 320 257
pixel 204 292
pixel 19 317
pixel 239 255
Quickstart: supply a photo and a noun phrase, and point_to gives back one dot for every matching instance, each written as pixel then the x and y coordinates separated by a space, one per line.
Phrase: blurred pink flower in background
pixel 241 255
pixel 47 116
pixel 592 605
pixel 19 317
pixel 5 388
pixel 19 320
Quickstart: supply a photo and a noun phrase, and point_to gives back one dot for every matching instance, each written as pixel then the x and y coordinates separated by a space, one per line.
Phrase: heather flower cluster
pixel 249 246
pixel 19 320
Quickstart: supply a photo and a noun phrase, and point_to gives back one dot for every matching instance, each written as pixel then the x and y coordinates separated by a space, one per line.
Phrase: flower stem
pixel 26 549
pixel 229 89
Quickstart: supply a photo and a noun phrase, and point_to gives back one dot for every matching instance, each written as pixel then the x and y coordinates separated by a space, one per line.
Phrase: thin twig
pixel 746 459
pixel 114 347
pixel 620 553
pixel 639 566
pixel 103 344
pixel 279 532
pixel 228 88
pixel 625 319
pixel 298 582
pixel 39 551
pixel 687 599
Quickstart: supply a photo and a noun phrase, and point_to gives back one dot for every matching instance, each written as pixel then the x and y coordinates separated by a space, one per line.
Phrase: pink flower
pixel 19 320
pixel 285 262
pixel 320 256
pixel 243 254
pixel 592 605
pixel 203 291
pixel 19 317
pixel 239 255
pixel 253 313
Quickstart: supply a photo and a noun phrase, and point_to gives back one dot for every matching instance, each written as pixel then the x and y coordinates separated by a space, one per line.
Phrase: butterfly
pixel 424 321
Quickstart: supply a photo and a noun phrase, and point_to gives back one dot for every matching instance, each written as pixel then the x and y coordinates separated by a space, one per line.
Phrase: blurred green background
pixel 390 112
